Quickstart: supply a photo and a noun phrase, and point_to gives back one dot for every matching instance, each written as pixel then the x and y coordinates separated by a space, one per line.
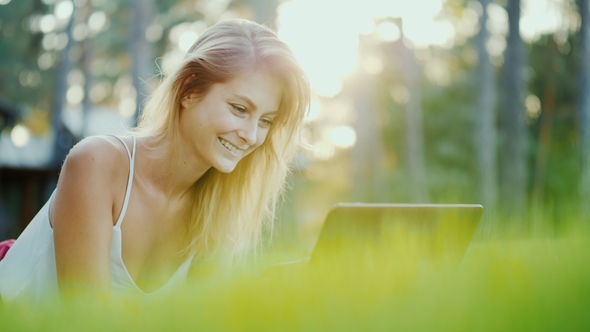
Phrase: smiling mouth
pixel 230 146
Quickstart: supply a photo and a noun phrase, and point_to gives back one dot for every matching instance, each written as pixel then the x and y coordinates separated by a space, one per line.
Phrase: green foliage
pixel 448 125
pixel 21 47
pixel 19 50
pixel 449 114
pixel 554 66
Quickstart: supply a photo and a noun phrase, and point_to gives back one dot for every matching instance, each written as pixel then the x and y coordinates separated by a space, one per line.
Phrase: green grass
pixel 516 284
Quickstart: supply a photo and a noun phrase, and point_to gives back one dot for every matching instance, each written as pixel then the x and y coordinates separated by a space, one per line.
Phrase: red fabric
pixel 4 246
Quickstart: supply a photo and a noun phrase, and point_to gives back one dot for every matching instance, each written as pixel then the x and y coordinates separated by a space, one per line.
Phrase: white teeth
pixel 230 146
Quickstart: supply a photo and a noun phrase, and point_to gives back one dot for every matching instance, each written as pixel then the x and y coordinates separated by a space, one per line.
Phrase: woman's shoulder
pixel 104 150
pixel 100 155
pixel 93 174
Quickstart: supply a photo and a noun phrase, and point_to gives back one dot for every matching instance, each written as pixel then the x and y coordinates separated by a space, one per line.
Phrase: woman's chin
pixel 225 168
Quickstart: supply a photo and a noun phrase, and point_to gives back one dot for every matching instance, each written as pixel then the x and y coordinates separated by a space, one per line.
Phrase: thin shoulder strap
pixel 130 180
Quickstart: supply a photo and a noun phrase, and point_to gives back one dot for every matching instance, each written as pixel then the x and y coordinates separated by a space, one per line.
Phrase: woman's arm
pixel 81 216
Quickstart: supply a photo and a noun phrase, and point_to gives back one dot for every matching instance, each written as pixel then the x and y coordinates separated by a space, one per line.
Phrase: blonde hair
pixel 231 210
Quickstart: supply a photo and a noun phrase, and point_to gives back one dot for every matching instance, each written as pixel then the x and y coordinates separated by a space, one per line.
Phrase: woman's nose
pixel 248 132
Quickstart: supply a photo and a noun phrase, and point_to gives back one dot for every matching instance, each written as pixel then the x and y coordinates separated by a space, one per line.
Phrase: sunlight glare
pixel 75 94
pixel 64 10
pixel 47 23
pixel 325 43
pixel 20 135
pixel 315 109
pixel 342 136
pixel 177 31
pixel 323 150
pixel 187 39
pixel 498 20
pixel 366 26
pixel 97 21
pixel 533 106
pixel 382 8
pixel 541 17
pixel 127 107
pixel 324 34
pixel 373 65
pixel 423 32
pixel 388 31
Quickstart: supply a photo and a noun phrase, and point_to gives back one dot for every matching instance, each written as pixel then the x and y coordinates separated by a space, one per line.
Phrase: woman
pixel 199 176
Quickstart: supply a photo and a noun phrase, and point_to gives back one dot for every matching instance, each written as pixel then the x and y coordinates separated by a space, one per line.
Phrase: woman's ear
pixel 188 100
pixel 185 102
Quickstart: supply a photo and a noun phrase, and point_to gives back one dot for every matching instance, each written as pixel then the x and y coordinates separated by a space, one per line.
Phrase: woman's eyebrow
pixel 251 104
pixel 247 100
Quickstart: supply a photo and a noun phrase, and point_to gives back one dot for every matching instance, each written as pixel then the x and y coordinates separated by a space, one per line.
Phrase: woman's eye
pixel 266 122
pixel 239 109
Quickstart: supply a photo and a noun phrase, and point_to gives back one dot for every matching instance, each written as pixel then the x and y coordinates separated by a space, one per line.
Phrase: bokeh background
pixel 440 101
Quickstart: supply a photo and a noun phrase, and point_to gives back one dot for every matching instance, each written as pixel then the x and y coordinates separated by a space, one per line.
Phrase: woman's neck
pixel 169 170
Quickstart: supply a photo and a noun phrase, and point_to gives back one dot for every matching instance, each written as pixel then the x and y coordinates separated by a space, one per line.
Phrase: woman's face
pixel 231 120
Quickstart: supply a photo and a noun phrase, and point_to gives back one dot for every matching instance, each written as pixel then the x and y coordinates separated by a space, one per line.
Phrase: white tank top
pixel 28 270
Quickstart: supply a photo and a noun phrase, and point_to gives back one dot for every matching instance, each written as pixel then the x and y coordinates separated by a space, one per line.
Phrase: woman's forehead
pixel 258 90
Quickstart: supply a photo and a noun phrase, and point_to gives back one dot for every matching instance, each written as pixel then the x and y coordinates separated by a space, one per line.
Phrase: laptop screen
pixel 356 233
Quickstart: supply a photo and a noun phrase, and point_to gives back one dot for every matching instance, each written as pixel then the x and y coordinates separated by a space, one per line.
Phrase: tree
pixel 63 139
pixel 367 153
pixel 584 107
pixel 85 63
pixel 548 80
pixel 514 126
pixel 414 132
pixel 486 118
pixel 140 50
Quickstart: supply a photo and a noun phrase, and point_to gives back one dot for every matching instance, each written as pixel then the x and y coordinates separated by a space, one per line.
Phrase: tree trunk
pixel 367 155
pixel 140 50
pixel 584 109
pixel 63 139
pixel 486 122
pixel 414 135
pixel 514 161
pixel 85 63
pixel 542 156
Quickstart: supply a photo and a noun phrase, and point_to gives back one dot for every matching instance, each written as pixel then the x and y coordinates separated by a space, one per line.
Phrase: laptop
pixel 361 235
